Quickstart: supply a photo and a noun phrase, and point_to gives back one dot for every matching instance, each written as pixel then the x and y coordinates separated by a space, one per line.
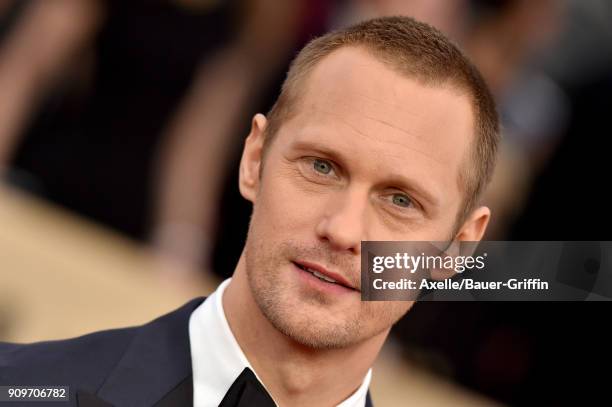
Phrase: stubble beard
pixel 305 317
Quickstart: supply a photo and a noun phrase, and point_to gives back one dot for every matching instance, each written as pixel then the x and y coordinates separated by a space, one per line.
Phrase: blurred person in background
pixel 507 40
pixel 126 111
pixel 569 202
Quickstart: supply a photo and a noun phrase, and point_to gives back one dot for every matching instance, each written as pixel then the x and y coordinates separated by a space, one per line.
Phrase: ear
pixel 472 230
pixel 250 163
pixel 475 225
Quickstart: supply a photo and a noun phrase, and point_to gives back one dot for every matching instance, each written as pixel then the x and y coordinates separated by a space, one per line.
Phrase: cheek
pixel 285 206
pixel 441 230
pixel 437 228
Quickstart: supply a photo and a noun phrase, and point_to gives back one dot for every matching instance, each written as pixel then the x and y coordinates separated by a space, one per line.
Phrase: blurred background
pixel 121 125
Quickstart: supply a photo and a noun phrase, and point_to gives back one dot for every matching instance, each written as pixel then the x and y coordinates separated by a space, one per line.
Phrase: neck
pixel 294 374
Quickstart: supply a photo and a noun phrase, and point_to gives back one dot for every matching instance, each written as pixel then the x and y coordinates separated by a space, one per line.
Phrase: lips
pixel 323 274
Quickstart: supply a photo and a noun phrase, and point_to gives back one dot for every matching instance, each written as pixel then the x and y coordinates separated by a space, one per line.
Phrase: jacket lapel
pixel 155 367
pixel 155 370
pixel 181 395
pixel 368 402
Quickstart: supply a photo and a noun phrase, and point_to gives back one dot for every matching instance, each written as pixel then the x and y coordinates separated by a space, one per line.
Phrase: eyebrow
pixel 396 180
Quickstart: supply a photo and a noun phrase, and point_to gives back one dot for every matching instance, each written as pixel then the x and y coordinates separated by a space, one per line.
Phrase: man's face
pixel 371 155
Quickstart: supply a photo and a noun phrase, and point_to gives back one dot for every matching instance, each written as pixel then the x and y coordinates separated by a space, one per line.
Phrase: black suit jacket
pixel 148 365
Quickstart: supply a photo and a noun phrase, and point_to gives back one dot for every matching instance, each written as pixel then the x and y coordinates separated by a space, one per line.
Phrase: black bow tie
pixel 247 391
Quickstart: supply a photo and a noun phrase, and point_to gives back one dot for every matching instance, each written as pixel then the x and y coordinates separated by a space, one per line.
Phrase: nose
pixel 343 222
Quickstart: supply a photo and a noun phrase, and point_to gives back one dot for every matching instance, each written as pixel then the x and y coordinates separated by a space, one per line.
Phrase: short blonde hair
pixel 418 51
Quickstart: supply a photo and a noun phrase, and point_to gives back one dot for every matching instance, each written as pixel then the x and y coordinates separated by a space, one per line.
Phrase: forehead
pixel 355 104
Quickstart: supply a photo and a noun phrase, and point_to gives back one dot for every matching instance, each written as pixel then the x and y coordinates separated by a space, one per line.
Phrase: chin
pixel 308 326
pixel 319 337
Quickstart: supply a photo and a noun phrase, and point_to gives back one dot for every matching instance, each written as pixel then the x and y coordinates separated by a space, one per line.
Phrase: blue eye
pixel 402 200
pixel 322 166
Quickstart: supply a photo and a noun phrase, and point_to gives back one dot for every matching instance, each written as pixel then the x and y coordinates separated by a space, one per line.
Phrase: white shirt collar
pixel 217 359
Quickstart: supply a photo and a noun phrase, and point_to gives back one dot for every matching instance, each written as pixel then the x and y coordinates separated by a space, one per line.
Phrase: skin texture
pixel 370 155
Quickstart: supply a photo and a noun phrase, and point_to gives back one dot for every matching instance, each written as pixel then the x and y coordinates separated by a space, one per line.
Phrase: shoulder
pixel 84 361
